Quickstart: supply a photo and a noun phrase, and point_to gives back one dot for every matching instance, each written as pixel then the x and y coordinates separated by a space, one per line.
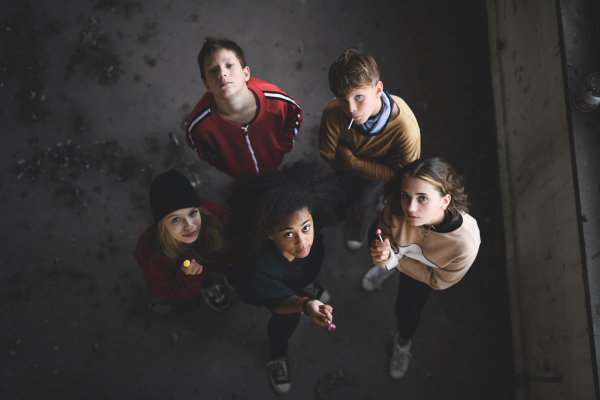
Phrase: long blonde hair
pixel 211 234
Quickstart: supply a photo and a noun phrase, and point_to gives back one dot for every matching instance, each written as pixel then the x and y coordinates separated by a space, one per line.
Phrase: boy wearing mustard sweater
pixel 365 133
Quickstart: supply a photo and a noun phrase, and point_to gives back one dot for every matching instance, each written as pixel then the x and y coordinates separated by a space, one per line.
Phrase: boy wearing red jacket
pixel 241 125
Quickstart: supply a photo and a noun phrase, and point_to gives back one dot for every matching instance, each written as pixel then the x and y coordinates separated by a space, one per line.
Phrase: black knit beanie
pixel 170 192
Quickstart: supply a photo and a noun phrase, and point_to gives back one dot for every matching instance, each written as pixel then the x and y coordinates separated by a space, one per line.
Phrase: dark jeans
pixel 280 329
pixel 411 298
pixel 359 191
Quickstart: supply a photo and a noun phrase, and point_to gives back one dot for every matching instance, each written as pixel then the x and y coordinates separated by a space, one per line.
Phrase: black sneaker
pixel 356 234
pixel 316 291
pixel 280 375
pixel 226 282
pixel 216 298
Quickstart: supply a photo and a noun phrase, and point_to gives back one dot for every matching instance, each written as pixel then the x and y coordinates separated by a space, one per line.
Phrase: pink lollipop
pixel 331 327
pixel 378 233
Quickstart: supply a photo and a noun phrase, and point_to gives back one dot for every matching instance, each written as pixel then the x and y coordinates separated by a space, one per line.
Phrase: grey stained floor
pixel 89 93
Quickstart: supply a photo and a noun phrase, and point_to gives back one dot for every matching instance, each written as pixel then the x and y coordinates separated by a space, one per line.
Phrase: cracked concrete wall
pixel 550 337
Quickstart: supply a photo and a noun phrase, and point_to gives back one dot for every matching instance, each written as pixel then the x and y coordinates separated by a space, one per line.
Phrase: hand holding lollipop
pixel 380 251
pixel 320 313
pixel 191 268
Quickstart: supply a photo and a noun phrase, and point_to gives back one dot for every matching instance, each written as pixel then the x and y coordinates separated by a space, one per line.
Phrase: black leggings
pixel 280 329
pixel 412 296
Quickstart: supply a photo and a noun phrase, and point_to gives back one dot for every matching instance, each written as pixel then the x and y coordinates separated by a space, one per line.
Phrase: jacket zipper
pixel 245 129
pixel 424 234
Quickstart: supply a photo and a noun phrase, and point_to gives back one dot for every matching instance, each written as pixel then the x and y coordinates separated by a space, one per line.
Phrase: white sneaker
pixel 356 232
pixel 375 277
pixel 400 359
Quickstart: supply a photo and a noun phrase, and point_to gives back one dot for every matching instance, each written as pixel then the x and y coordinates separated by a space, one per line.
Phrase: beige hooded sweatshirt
pixel 437 259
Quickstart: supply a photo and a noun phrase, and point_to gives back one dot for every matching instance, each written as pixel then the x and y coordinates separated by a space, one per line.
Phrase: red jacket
pixel 166 279
pixel 244 150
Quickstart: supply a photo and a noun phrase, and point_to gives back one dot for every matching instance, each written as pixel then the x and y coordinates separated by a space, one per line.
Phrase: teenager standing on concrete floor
pixel 274 223
pixel 241 125
pixel 185 228
pixel 434 243
pixel 366 134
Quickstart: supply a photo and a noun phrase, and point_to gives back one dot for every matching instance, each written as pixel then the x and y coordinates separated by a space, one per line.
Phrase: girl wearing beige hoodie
pixel 428 236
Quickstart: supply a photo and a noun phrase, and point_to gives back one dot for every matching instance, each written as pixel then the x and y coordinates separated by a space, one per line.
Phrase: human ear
pixel 446 201
pixel 270 235
pixel 206 85
pixel 379 88
pixel 246 71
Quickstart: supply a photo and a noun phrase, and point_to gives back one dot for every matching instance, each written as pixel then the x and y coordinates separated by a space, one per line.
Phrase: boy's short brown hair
pixel 212 44
pixel 352 70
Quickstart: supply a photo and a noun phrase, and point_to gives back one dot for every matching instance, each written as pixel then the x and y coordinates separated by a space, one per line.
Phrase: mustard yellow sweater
pixel 402 134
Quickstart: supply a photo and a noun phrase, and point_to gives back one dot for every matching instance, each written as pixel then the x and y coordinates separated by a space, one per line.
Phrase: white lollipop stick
pixel 351 121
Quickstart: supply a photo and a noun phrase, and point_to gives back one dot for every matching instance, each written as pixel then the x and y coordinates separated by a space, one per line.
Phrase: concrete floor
pixel 85 127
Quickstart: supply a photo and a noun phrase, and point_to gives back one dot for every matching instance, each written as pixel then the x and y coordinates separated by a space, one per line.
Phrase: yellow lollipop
pixel 186 263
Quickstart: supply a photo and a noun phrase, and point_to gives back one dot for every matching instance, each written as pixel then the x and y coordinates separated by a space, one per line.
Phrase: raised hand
pixel 321 313
pixel 380 251
pixel 195 268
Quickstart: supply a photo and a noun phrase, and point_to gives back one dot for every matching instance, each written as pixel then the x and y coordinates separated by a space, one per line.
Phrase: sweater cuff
pixel 392 262
pixel 193 278
pixel 349 161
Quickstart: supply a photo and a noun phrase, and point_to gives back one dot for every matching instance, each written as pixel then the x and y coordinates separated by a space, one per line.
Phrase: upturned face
pixel 294 235
pixel 224 74
pixel 422 203
pixel 363 103
pixel 184 224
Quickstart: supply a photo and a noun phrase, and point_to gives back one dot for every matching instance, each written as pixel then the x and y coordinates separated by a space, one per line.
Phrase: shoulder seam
pixel 472 236
pixel 201 116
pixel 280 96
pixel 468 233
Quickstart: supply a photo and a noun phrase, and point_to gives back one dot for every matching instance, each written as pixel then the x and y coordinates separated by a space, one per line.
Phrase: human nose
pixel 300 240
pixel 412 206
pixel 188 224
pixel 352 107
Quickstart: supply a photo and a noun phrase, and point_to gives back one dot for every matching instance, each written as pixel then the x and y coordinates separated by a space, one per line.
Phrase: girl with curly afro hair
pixel 428 236
pixel 274 222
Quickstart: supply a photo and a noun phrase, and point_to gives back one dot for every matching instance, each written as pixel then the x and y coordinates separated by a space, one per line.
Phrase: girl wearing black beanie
pixel 179 250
